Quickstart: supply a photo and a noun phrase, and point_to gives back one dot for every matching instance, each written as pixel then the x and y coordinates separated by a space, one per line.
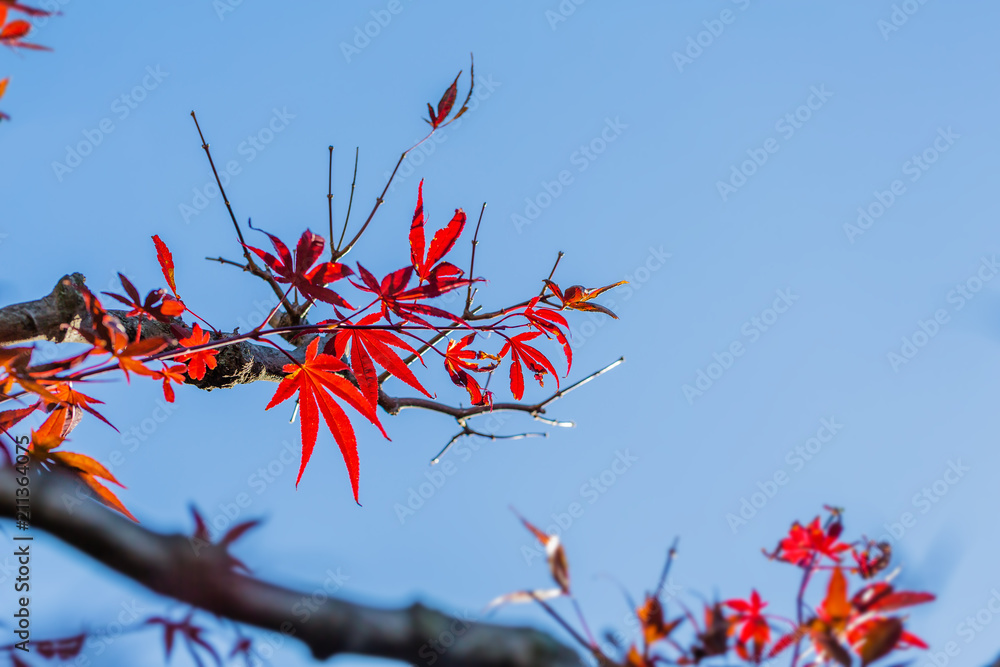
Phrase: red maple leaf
pixel 804 543
pixel 170 374
pixel 443 241
pixel 458 360
pixel 313 379
pixel 551 323
pixel 300 273
pixel 166 261
pixel 12 33
pixel 158 305
pixel 534 360
pixel 751 624
pixel 199 361
pixel 394 297
pixel 370 347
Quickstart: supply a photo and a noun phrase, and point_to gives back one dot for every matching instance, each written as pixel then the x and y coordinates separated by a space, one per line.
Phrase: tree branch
pixel 171 566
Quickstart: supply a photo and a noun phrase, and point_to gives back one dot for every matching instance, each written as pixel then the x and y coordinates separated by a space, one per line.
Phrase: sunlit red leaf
pixel 166 260
pixel 522 353
pixel 313 380
pixel 444 106
pixel 804 543
pixel 200 361
pixel 458 360
pixel 442 243
pixel 12 33
pixel 369 347
pixel 310 280
pixel 551 323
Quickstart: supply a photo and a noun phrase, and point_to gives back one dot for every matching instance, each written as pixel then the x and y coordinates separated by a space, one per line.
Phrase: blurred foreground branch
pixel 172 565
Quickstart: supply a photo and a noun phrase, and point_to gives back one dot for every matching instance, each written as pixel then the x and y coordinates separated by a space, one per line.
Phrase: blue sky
pixel 806 188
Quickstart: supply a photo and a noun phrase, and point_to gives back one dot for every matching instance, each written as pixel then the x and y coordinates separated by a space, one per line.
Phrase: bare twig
pixel 350 202
pixel 470 294
pixel 551 273
pixel 329 199
pixel 467 431
pixel 251 266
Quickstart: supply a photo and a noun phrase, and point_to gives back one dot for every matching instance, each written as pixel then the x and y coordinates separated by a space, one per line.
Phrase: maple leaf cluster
pixel 842 629
pixel 337 365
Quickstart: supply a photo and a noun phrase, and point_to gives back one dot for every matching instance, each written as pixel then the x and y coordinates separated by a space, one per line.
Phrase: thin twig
pixel 222 260
pixel 566 626
pixel 329 199
pixel 551 273
pixel 394 405
pixel 381 197
pixel 349 203
pixel 251 265
pixel 472 264
pixel 671 554
pixel 222 191
pixel 467 431
pixel 416 355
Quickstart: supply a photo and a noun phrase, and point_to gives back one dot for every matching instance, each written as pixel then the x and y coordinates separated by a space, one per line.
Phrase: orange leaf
pixel 554 552
pixel 106 496
pixel 84 464
pixel 836 605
